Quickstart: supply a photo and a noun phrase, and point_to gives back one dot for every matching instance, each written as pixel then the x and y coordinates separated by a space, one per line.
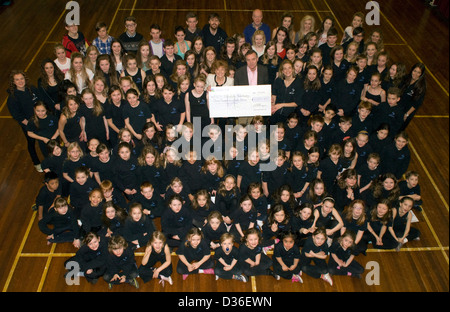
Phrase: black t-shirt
pixel 249 174
pixel 212 235
pixel 194 254
pixel 329 171
pixel 70 166
pixel 367 175
pixel 45 198
pixel 72 129
pixel 288 256
pixel 243 218
pixel 103 168
pixel 166 113
pixel 55 163
pixel 310 246
pixel 80 43
pixel 115 113
pixel 138 116
pixel 342 254
pixel 95 125
pixel 228 258
pixel 247 253
pixel 46 127
pixel 216 40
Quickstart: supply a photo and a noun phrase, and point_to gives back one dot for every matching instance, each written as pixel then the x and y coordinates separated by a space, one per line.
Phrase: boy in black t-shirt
pixel 328 46
pixel 169 58
pixel 411 188
pixel 48 193
pixel 368 172
pixel 191 30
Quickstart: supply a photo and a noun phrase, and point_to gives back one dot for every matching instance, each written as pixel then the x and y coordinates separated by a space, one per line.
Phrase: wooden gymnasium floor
pixel 412 33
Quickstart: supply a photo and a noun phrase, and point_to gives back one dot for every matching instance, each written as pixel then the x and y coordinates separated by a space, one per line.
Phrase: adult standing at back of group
pixel 213 35
pixel 257 24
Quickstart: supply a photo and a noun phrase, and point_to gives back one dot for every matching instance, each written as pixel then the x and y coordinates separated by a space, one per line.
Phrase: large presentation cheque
pixel 240 101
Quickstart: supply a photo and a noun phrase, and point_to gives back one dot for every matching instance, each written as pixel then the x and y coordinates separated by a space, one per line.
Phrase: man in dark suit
pixel 245 75
pixel 251 75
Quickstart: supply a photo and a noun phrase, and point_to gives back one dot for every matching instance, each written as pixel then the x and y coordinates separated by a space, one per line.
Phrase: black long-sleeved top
pixel 61 223
pixel 124 264
pixel 395 161
pixel 92 259
pixel 346 96
pixel 135 230
pixel 155 176
pixel 21 103
pixel 189 174
pixel 176 223
pixel 228 201
pixel 267 232
pixel 298 178
pixel 91 217
pixel 155 204
pixel 213 235
pixel 126 173
pixel 210 182
pixel 79 194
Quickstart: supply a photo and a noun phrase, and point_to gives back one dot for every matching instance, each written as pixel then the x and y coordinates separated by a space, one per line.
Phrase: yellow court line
pixel 46 38
pixel 429 175
pixel 3 104
pixel 39 50
pixel 231 10
pixel 225 5
pixel 435 235
pixel 415 54
pixel 16 260
pixel 134 5
pixel 414 150
pixel 115 14
pixel 47 266
pixel 431 116
pixel 403 39
pixel 253 279
pixel 409 249
pixel 335 18
pixel 46 254
pixel 173 254
pixel 410 144
pixel 315 9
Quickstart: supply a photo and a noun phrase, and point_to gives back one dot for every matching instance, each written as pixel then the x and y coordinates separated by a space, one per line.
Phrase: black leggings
pixel 285 274
pixel 31 146
pixel 261 269
pixel 316 270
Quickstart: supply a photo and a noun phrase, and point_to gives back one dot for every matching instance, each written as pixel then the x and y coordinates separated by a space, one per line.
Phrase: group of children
pixel 110 119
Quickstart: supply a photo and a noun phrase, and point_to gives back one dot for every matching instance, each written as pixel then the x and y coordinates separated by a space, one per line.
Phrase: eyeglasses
pixel 130 25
